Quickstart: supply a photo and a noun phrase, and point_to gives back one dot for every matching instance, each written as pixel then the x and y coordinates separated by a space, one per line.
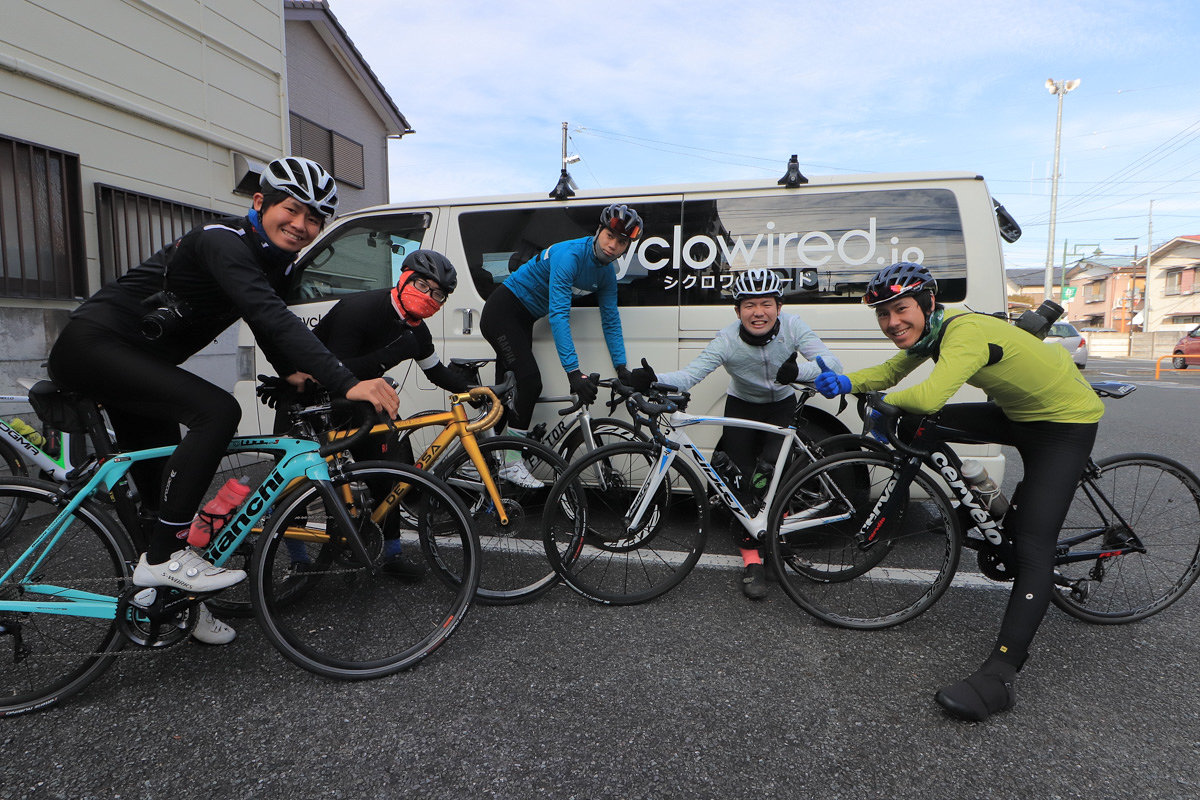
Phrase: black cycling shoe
pixel 397 567
pixel 754 582
pixel 977 697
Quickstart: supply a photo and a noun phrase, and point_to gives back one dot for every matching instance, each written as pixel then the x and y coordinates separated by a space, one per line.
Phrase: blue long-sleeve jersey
pixel 547 282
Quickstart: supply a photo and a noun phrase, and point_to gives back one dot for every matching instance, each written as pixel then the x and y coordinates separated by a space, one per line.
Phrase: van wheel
pixel 1179 362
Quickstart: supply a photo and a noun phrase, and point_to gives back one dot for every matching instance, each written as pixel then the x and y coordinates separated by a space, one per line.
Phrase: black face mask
pixel 758 340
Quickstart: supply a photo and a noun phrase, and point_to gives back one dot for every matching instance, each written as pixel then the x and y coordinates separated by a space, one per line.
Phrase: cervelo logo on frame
pixel 796 250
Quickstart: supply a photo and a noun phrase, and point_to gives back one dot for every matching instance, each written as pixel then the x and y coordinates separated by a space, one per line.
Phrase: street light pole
pixel 1059 88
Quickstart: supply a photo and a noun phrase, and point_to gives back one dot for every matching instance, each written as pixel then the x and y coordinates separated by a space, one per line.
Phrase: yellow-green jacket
pixel 1030 380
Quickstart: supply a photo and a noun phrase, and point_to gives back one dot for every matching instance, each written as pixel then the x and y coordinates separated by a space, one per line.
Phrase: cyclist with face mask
pixel 759 352
pixel 544 287
pixel 374 331
pixel 1039 404
pixel 124 345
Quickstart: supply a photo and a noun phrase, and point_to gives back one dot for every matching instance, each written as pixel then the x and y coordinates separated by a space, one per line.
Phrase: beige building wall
pixel 154 96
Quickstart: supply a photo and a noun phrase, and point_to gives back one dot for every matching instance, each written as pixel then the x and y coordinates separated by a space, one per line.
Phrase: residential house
pixel 123 125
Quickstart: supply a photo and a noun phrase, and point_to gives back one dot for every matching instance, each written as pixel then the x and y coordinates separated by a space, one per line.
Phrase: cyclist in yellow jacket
pixel 1039 404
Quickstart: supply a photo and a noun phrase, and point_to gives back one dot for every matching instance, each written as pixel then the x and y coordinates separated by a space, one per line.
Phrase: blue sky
pixel 663 92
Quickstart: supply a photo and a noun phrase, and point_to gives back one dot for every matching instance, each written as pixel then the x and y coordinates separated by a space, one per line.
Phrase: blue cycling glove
pixel 829 383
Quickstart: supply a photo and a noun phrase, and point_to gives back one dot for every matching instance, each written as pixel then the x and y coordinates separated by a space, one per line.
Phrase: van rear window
pixel 825 246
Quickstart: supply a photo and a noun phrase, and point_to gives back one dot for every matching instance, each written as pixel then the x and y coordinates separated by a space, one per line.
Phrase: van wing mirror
pixel 1009 229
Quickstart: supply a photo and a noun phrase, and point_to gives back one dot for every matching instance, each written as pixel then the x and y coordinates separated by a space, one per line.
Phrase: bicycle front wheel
pixel 48 655
pixel 597 546
pixel 1148 498
pixel 821 565
pixel 332 612
pixel 514 566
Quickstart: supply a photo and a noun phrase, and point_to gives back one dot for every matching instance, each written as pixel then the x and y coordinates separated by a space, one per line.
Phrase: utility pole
pixel 1059 88
pixel 1146 291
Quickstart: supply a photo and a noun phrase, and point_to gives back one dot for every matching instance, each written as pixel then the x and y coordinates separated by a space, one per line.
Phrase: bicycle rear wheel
pixel 46 657
pixel 605 430
pixel 1159 500
pixel 334 615
pixel 11 466
pixel 514 567
pixel 815 552
pixel 596 552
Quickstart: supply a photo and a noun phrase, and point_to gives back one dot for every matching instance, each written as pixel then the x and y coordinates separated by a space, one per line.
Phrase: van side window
pixel 498 242
pixel 360 255
pixel 825 246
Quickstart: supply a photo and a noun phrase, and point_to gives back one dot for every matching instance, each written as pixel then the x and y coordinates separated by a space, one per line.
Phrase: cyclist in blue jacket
pixel 759 354
pixel 544 287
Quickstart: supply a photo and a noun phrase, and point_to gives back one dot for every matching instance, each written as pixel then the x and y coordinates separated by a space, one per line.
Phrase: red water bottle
pixel 216 512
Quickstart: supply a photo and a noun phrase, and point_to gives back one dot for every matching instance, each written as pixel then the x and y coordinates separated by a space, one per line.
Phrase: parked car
pixel 1065 334
pixel 1187 350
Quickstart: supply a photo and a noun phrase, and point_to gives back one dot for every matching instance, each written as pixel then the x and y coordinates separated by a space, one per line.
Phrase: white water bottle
pixel 974 474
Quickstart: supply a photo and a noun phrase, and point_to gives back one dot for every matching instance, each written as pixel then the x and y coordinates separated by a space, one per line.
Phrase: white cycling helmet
pixel 305 180
pixel 757 283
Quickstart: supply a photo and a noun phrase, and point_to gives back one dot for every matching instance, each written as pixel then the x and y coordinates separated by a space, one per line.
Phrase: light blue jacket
pixel 546 283
pixel 752 369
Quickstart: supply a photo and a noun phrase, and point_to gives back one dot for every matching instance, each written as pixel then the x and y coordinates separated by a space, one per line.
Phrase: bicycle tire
pixel 823 569
pixel 61 653
pixel 11 466
pixel 1160 499
pixel 338 617
pixel 606 430
pixel 514 567
pixel 600 559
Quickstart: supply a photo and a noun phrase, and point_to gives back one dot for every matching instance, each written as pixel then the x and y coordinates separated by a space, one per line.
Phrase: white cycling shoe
pixel 518 472
pixel 186 570
pixel 210 630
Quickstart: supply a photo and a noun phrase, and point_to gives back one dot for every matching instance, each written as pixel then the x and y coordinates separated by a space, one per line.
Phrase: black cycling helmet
pixel 303 179
pixel 432 265
pixel 902 279
pixel 621 219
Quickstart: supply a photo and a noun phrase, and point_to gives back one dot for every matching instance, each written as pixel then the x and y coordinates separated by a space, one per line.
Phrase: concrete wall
pixel 1139 345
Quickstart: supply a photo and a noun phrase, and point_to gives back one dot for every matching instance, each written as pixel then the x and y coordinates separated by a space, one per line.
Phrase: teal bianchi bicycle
pixel 68 604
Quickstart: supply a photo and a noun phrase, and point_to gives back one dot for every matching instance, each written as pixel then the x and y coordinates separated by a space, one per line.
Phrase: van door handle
pixel 468 319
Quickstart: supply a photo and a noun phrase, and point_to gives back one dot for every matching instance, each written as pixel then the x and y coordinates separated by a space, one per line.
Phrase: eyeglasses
pixel 423 286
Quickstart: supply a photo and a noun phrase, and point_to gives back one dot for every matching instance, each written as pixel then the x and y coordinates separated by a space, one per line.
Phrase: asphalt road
pixel 699 694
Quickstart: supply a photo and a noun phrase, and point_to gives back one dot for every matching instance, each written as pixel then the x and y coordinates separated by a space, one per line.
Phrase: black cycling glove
pixel 788 371
pixel 623 375
pixel 582 386
pixel 641 378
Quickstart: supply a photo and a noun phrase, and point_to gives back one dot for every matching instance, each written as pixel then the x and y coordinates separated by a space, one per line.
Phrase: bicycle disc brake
pixel 156 618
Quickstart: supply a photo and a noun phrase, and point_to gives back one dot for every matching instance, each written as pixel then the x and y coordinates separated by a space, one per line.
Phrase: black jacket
pixel 366 332
pixel 222 271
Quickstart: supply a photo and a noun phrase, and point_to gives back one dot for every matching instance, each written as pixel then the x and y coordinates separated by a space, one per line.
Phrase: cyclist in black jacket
pixel 373 331
pixel 122 348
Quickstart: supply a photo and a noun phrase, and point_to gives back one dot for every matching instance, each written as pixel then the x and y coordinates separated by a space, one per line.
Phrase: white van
pixel 825 238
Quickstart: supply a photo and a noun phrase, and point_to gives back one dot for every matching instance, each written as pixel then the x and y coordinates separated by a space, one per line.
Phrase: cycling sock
pixel 391 547
pixel 166 538
pixel 750 556
pixel 512 456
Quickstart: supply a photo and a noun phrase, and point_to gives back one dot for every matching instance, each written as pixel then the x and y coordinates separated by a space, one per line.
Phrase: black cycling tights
pixel 147 398
pixel 746 447
pixel 508 327
pixel 1054 455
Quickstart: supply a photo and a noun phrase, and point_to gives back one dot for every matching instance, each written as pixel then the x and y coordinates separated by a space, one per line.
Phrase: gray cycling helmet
pixel 757 282
pixel 622 220
pixel 305 180
pixel 902 279
pixel 432 265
